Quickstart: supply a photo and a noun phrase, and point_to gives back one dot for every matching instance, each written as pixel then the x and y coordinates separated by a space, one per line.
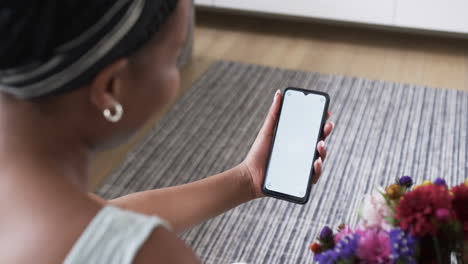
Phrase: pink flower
pixel 374 212
pixel 346 231
pixel 443 214
pixel 373 246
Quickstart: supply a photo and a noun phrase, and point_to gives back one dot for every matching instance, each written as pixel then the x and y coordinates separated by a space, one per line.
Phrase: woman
pixel 77 77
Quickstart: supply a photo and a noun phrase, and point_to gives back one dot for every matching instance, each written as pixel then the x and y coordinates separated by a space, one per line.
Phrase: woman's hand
pixel 254 165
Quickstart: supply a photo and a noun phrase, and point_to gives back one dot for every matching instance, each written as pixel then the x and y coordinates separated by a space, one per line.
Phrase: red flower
pixel 460 205
pixel 417 210
pixel 316 248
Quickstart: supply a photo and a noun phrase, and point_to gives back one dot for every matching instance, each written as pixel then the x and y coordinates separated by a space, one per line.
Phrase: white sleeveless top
pixel 113 236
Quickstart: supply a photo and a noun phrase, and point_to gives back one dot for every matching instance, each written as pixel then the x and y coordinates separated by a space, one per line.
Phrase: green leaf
pixel 389 203
pixel 391 220
pixel 437 249
pixel 345 261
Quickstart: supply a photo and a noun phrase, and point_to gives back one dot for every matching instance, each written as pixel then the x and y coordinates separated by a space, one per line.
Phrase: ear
pixel 107 87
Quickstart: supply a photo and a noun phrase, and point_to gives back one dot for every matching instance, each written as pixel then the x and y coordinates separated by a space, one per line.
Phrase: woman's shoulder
pixel 114 235
pixel 119 236
pixel 164 246
pixel 44 230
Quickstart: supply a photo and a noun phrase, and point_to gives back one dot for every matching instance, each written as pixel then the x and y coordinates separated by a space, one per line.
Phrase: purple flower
pixel 345 249
pixel 326 233
pixel 326 257
pixel 440 182
pixel 406 181
pixel 403 246
pixel 344 232
pixel 347 246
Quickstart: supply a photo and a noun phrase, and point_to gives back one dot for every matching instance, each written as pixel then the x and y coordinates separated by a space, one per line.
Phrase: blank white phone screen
pixel 295 143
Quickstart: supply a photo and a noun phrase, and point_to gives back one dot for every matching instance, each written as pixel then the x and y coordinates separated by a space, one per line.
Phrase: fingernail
pixel 320 160
pixel 277 92
pixel 321 144
pixel 333 124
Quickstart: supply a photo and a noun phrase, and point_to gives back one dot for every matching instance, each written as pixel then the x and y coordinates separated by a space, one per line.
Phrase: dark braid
pixel 32 30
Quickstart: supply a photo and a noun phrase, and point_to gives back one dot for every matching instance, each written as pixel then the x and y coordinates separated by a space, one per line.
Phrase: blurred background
pixel 423 42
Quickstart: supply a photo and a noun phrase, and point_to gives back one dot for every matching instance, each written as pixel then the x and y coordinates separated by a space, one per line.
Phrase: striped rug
pixel 383 130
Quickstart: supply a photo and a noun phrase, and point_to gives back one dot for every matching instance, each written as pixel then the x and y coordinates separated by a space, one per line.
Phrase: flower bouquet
pixel 402 224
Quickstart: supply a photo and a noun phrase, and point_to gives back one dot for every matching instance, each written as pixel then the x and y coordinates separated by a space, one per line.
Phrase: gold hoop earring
pixel 116 116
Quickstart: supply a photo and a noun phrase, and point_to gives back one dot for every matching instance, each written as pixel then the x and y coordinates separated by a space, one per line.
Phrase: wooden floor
pixel 375 54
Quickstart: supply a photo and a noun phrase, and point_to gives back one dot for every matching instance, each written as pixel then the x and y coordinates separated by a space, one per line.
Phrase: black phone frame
pixel 287 197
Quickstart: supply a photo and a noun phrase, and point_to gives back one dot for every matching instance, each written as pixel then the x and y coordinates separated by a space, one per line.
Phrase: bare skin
pixel 47 146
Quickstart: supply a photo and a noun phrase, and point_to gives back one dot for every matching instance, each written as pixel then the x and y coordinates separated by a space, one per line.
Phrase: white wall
pixel 366 11
pixel 204 2
pixel 443 15
pixel 439 15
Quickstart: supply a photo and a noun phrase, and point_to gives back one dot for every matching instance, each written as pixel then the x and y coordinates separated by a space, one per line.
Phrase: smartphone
pixel 299 128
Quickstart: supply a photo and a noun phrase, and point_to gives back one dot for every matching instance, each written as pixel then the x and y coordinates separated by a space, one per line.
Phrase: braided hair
pixel 42 38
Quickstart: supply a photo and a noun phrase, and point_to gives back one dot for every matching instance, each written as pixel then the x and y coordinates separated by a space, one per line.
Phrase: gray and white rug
pixel 383 130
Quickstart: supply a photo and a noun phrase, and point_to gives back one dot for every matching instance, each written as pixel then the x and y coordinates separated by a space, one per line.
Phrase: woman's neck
pixel 32 143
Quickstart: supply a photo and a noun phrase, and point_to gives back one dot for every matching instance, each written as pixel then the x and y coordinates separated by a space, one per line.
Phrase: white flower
pixel 374 212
